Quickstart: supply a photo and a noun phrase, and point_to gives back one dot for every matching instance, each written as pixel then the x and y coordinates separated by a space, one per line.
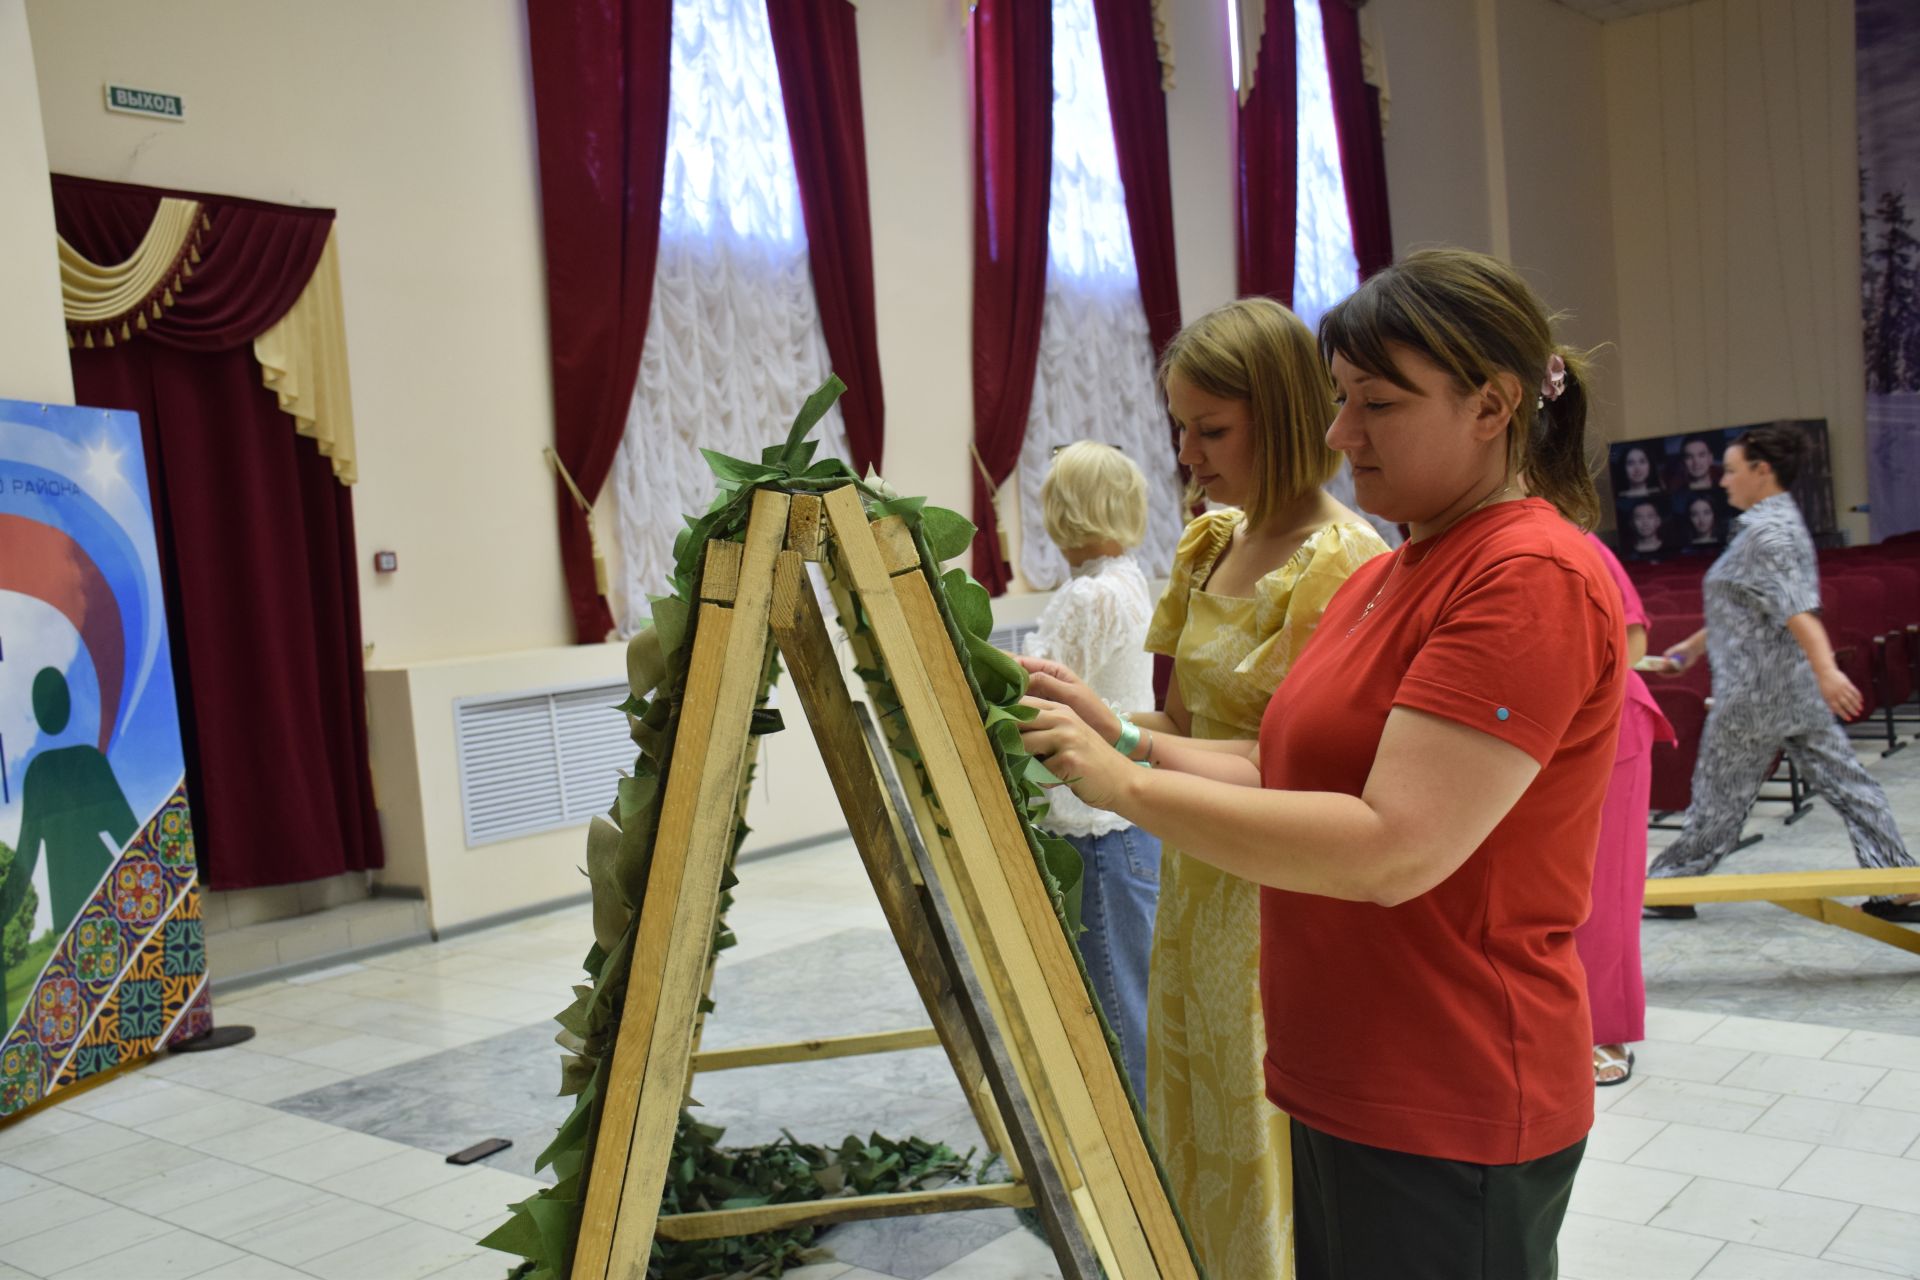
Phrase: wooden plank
pixel 898 550
pixel 1096 1067
pixel 1782 886
pixel 1046 983
pixel 1843 916
pixel 646 1088
pixel 720 575
pixel 1051 1189
pixel 761 1055
pixel 807 527
pixel 801 633
pixel 716 1223
pixel 620 1101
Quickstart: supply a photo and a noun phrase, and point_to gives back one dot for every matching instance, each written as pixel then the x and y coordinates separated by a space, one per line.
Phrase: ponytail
pixel 1554 453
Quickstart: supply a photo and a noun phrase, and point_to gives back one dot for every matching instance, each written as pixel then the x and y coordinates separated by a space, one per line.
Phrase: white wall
pixel 33 342
pixel 1733 164
pixel 414 121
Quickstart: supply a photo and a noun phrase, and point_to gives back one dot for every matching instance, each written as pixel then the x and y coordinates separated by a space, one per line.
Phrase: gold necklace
pixel 1401 554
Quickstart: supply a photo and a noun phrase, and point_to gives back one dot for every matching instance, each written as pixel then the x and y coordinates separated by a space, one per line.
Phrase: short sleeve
pixel 1199 547
pixel 1289 601
pixel 1515 653
pixel 1780 578
pixel 1635 608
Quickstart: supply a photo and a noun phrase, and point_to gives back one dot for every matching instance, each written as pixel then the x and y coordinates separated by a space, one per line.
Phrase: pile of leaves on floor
pixel 703 1175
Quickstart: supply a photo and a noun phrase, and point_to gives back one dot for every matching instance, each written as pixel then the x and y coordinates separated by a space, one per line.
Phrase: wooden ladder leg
pixel 802 635
pixel 1123 1185
pixel 647 1081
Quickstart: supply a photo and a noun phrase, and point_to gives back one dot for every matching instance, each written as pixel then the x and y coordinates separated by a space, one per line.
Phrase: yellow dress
pixel 1225 1146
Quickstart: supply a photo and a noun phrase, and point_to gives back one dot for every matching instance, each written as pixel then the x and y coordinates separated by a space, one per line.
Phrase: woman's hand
pixel 1841 694
pixel 1686 653
pixel 1075 754
pixel 1055 683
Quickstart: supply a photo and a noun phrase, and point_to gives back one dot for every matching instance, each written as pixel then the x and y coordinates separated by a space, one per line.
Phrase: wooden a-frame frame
pixel 969 910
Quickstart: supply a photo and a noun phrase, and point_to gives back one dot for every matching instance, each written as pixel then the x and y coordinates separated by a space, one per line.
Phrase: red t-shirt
pixel 1454 1025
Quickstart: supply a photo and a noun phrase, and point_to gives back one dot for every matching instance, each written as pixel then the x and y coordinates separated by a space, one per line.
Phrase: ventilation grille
pixel 539 761
pixel 1013 637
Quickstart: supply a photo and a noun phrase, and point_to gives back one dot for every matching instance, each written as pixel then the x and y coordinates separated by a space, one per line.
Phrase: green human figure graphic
pixel 68 799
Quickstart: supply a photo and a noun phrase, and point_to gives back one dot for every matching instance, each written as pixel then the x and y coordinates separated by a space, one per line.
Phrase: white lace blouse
pixel 1097 625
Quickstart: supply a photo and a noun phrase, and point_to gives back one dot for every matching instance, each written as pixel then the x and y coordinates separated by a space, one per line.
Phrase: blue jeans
pixel 1119 892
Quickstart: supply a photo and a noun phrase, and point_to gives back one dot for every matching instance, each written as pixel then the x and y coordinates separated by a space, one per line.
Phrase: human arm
pixel 1636 643
pixel 1686 653
pixel 1841 695
pixel 1436 790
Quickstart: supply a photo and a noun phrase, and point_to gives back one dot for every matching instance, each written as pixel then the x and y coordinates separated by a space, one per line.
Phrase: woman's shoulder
pixel 1338 547
pixel 1204 536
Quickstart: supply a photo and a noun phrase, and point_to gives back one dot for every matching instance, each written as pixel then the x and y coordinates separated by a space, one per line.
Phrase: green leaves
pixel 948 533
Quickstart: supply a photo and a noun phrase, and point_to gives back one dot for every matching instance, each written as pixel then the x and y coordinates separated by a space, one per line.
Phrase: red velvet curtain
pixel 600 106
pixel 818 53
pixel 1012 169
pixel 1269 147
pixel 1139 108
pixel 256 543
pixel 1363 156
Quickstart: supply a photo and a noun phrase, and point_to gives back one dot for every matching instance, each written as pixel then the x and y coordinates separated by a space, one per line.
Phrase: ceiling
pixel 1608 10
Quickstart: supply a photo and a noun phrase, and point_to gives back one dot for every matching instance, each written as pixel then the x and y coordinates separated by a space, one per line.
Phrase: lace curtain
pixel 1325 269
pixel 735 343
pixel 1094 379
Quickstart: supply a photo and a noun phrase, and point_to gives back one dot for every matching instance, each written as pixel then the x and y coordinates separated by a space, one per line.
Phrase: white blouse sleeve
pixel 1082 628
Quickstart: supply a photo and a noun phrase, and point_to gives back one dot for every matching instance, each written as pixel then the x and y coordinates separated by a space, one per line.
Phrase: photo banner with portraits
pixel 1887 48
pixel 104 955
pixel 1668 501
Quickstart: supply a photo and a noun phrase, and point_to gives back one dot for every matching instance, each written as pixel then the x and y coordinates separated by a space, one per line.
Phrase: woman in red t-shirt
pixel 1424 800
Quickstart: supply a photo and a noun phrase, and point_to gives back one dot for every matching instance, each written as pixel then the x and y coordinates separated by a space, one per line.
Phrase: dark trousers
pixel 1364 1213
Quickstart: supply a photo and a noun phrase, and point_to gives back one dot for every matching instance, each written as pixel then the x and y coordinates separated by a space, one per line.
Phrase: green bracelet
pixel 1129 738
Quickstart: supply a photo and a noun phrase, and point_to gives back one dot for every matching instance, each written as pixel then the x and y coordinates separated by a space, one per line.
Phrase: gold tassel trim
pixel 89 342
pixel 141 319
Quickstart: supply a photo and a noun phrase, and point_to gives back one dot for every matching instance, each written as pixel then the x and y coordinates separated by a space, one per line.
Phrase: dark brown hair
pixel 1780 445
pixel 1475 317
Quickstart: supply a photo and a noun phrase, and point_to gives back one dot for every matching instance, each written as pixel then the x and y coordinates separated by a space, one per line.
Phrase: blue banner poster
pixel 1887 43
pixel 104 961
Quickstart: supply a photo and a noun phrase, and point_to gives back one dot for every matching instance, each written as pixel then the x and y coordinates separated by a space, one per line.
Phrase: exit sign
pixel 145 102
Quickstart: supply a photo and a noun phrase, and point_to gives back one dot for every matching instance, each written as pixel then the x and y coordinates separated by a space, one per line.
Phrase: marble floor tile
pixel 937 1241
pixel 1017 1255
pixel 393 1178
pixel 1878 1049
pixel 103 1174
pixel 1780 1220
pixel 1899 1090
pixel 1599 1247
pixel 176 1255
pixel 1885 1182
pixel 17 1184
pixel 45 1210
pixel 82 1240
pixel 1763 1035
pixel 320 1227
pixel 1745 1262
pixel 1718 1106
pixel 412 1251
pixel 1715 1153
pixel 1622 1192
pixel 41 1124
pixel 237 1211
pixel 1680 1026
pixel 1838 1124
pixel 57 1150
pixel 1696 1062
pixel 463 1203
pixel 1879 1238
pixel 269 1137
pixel 1805 1077
pixel 339 1152
pixel 205 1179
pixel 249 1267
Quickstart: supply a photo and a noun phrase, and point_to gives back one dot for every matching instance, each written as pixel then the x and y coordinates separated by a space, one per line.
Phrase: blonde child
pixel 1095 505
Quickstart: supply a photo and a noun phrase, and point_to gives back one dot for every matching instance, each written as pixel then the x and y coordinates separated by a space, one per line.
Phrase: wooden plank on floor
pixel 718 1223
pixel 1784 886
pixel 761 1055
pixel 1839 914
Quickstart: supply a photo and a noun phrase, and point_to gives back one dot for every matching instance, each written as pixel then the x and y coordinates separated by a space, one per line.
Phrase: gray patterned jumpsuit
pixel 1765 699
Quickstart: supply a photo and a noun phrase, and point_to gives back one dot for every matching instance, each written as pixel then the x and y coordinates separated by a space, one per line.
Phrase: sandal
pixel 1611 1057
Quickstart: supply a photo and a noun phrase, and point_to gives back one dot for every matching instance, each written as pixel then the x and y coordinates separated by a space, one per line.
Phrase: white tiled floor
pixel 1744 1147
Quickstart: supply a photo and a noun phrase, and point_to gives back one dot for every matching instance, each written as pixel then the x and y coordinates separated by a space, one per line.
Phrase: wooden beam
pixel 647 1081
pixel 761 1055
pixel 1784 886
pixel 720 575
pixel 718 1223
pixel 1839 914
pixel 1124 1185
pixel 806 527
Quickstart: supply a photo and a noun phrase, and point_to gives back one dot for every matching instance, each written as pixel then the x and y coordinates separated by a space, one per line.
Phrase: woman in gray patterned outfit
pixel 1775 683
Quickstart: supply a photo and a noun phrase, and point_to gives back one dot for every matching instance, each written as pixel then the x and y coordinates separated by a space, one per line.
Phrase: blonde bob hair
pixel 1258 352
pixel 1094 493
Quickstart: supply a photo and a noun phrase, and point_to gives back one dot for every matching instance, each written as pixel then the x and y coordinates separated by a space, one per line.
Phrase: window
pixel 1324 267
pixel 734 341
pixel 1094 378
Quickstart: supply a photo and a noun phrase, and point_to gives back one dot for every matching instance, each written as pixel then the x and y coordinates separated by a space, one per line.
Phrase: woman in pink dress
pixel 1609 942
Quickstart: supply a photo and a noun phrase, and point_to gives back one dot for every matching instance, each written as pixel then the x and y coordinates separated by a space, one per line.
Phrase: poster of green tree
pixel 1887 44
pixel 104 957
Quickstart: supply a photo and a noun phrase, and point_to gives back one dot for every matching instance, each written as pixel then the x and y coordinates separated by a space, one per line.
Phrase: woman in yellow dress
pixel 1252 398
